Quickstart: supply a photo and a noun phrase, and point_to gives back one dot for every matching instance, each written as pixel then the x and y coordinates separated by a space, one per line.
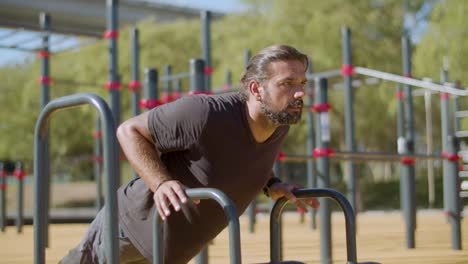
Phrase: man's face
pixel 283 92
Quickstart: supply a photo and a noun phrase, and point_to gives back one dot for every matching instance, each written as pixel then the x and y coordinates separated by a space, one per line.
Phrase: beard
pixel 282 117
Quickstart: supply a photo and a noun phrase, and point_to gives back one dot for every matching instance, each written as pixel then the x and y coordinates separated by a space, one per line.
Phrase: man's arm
pixel 138 146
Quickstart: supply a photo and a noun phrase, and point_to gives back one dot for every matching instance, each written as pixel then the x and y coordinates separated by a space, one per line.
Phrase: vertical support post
pixel 19 174
pixel 445 127
pixel 311 177
pixel 347 72
pixel 278 172
pixel 227 80
pixel 113 84
pixel 206 47
pixel 167 84
pixel 197 85
pixel 98 163
pixel 430 162
pixel 322 153
pixel 150 89
pixel 454 206
pixel 456 108
pixel 197 76
pixel 401 141
pixel 3 185
pixel 44 20
pixel 450 168
pixel 177 89
pixel 253 205
pixel 408 177
pixel 134 84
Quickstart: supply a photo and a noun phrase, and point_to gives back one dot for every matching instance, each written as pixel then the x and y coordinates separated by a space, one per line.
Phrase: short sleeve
pixel 178 125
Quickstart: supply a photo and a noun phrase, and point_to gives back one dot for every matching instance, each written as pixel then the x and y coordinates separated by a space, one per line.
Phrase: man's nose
pixel 299 93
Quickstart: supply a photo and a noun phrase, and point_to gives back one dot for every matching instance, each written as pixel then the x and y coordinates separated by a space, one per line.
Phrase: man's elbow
pixel 124 131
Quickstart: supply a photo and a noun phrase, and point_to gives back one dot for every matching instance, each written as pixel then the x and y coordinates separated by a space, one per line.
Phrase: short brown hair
pixel 257 69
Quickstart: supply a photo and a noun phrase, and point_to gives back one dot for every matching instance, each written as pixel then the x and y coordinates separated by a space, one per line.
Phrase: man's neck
pixel 260 126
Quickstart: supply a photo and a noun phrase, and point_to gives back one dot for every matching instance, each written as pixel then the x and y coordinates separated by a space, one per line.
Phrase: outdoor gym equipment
pixel 275 227
pixel 42 181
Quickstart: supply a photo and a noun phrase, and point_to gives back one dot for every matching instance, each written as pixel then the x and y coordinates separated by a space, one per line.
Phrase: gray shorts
pixel 91 249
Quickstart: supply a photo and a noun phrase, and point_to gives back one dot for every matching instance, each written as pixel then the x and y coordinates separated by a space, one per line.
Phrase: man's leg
pixel 85 251
pixel 91 249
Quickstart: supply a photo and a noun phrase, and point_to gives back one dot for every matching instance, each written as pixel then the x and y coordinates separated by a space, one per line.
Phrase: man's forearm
pixel 143 157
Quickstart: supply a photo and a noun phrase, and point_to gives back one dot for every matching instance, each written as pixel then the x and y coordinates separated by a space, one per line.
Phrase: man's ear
pixel 254 90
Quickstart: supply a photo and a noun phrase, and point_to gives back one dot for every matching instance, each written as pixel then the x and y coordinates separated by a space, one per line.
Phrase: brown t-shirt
pixel 205 141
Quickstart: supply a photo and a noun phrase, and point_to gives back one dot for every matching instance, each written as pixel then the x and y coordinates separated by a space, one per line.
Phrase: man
pixel 228 142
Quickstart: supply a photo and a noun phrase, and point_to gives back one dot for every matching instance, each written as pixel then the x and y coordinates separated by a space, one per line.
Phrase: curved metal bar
pixel 231 214
pixel 277 209
pixel 110 172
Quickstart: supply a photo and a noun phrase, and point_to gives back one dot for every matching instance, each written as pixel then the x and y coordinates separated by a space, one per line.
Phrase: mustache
pixel 296 103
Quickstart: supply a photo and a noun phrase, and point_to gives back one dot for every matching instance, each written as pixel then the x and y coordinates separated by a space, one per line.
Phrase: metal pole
pixel 456 108
pixel 197 85
pixel 430 163
pixel 150 89
pixel 445 127
pixel 409 181
pixel 44 20
pixel 453 181
pixel 450 168
pixel 167 85
pixel 177 89
pixel 311 177
pixel 98 163
pixel 322 152
pixel 113 83
pixel 227 80
pixel 401 141
pixel 3 185
pixel 349 114
pixel 20 174
pixel 197 79
pixel 135 85
pixel 110 170
pixel 206 47
pixel 253 205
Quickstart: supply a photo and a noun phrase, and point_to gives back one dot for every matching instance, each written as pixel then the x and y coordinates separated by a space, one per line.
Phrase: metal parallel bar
pixel 229 209
pixel 363 155
pixel 461 134
pixel 410 81
pixel 464 194
pixel 461 113
pixel 19 49
pixel 11 33
pixel 110 162
pixel 325 74
pixel 176 76
pixel 350 223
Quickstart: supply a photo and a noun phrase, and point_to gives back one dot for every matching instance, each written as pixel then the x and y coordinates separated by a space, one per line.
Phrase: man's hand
pixel 169 193
pixel 285 189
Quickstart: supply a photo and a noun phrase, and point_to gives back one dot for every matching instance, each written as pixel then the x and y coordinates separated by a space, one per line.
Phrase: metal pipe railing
pixel 110 162
pixel 229 209
pixel 350 224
